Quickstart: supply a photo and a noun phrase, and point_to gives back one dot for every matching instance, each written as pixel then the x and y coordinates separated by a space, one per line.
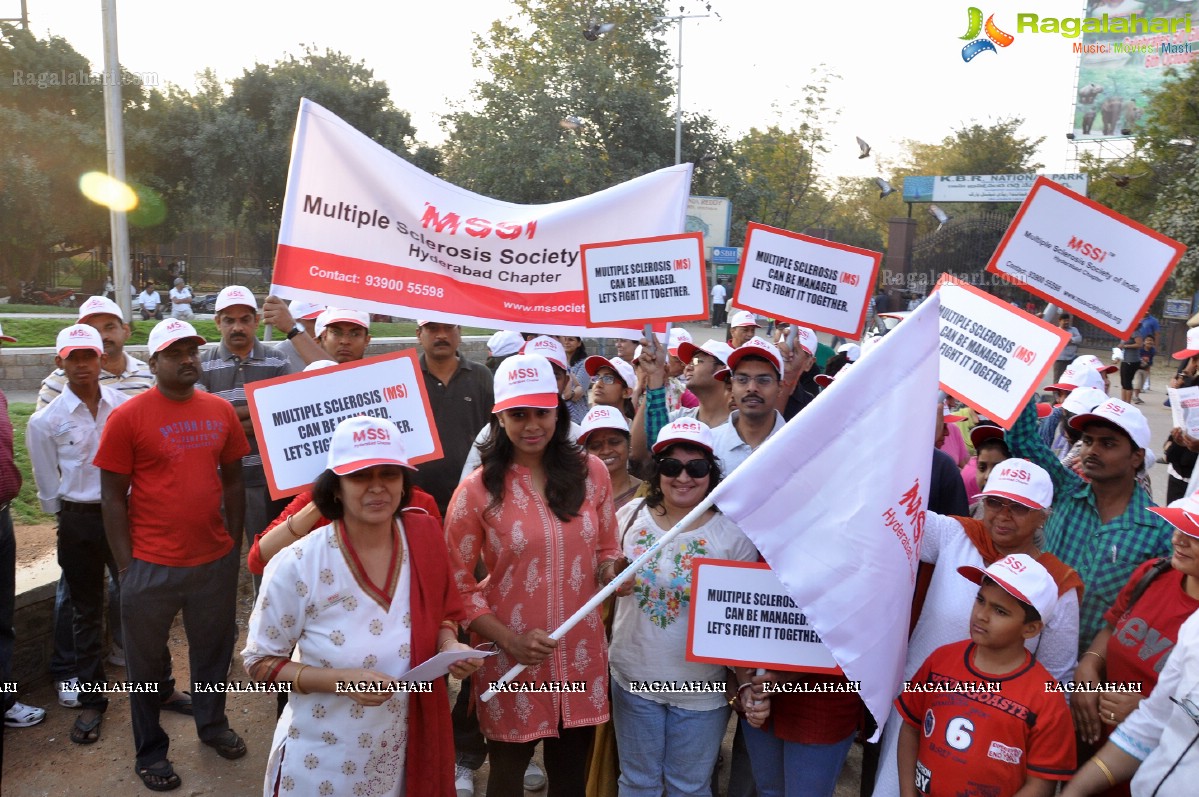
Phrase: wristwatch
pixel 296 330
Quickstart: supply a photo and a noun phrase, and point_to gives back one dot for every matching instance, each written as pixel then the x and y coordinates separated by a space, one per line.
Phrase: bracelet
pixel 1111 781
pixel 608 564
pixel 450 624
pixel 1094 653
pixel 290 529
pixel 449 640
pixel 295 680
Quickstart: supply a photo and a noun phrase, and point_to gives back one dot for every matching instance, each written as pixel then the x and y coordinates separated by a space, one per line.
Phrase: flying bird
pixel 596 29
pixel 939 215
pixel 864 147
pixel 884 188
pixel 1122 180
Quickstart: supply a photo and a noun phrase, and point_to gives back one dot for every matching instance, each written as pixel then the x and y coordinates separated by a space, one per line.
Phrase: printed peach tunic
pixel 541 571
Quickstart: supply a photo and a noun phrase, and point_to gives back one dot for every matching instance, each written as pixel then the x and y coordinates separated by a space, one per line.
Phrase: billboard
pixel 712 216
pixel 1123 54
pixel 983 187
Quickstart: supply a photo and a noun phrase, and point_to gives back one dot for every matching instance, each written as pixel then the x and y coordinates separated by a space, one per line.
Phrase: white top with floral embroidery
pixel 313 598
pixel 649 634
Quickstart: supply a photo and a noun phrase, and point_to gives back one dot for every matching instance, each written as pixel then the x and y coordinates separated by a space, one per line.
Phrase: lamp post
pixel 678 108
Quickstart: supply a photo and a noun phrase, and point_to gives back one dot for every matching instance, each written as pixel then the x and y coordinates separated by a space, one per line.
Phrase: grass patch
pixel 32 332
pixel 26 510
pixel 37 309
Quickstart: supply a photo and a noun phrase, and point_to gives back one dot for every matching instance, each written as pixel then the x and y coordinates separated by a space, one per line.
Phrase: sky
pixel 901 71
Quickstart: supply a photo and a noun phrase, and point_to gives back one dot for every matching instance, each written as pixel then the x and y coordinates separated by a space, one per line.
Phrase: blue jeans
pixel 790 769
pixel 663 746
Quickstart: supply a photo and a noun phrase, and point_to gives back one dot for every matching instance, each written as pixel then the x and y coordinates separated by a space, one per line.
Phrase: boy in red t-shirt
pixel 980 717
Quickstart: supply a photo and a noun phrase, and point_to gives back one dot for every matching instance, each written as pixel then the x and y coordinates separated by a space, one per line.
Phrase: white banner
pixel 838 514
pixel 294 416
pixel 983 187
pixel 743 617
pixel 993 355
pixel 808 281
pixel 651 279
pixel 1184 409
pixel 365 229
pixel 1078 254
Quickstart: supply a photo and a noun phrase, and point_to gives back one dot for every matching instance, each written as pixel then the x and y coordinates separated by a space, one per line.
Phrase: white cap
pixel 1094 362
pixel 525 380
pixel 1024 482
pixel 824 380
pixel 625 371
pixel 602 416
pixel 549 348
pixel 684 430
pixel 1083 399
pixel 304 311
pixel 852 351
pixel 7 338
pixel 76 337
pixel 1182 514
pixel 505 342
pixel 755 345
pixel 169 331
pixel 743 318
pixel 317 365
pixel 1192 347
pixel 1022 577
pixel 1076 376
pixel 805 338
pixel 678 336
pixel 363 442
pixel 713 348
pixel 233 295
pixel 1120 414
pixel 338 315
pixel 99 305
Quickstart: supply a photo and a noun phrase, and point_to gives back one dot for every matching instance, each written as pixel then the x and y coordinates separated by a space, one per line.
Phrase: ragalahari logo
pixel 994 36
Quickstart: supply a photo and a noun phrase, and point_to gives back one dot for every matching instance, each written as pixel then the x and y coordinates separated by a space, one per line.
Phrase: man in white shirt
pixel 719 296
pixel 62 439
pixel 150 301
pixel 181 301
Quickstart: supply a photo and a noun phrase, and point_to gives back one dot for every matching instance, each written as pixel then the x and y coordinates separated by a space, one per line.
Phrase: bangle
pixel 1094 653
pixel 449 640
pixel 1111 781
pixel 290 529
pixel 450 624
pixel 607 564
pixel 295 680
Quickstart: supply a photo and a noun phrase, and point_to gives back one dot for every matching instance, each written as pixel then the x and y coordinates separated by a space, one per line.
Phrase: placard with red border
pixel 1085 257
pixel 734 631
pixel 809 281
pixel 294 416
pixel 993 355
pixel 643 280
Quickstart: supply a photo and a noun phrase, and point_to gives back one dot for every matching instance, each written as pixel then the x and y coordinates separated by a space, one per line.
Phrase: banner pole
pixel 612 586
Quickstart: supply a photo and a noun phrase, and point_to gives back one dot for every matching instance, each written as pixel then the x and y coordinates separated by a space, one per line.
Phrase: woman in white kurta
pixel 361 601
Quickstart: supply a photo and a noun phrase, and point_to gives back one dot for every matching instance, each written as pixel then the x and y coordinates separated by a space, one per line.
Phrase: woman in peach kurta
pixel 539 512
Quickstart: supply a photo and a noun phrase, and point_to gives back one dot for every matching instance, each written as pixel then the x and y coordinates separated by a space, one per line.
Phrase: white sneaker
pixel 68 693
pixel 116 656
pixel 534 777
pixel 464 781
pixel 22 716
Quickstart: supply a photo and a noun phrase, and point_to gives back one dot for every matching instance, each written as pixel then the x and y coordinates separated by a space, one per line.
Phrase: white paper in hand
pixel 436 666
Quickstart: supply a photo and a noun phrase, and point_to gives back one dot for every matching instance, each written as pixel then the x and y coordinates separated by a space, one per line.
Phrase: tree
pixel 561 116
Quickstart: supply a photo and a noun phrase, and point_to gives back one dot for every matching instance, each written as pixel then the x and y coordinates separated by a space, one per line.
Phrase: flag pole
pixel 613 585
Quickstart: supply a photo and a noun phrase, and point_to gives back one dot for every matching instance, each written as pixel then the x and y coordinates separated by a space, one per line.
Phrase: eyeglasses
pixel 1017 511
pixel 761 380
pixel 1187 705
pixel 696 468
pixel 609 379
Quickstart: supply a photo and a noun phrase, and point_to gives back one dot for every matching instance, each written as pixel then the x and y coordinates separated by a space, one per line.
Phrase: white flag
pixel 835 503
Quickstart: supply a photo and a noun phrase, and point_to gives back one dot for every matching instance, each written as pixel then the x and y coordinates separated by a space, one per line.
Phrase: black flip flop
pixel 167 779
pixel 179 706
pixel 81 732
pixel 228 745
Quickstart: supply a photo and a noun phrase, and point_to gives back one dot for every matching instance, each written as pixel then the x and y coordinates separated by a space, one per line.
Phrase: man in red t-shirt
pixel 165 457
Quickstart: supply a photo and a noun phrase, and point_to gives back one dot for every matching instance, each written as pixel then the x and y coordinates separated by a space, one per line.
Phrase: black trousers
pixel 565 763
pixel 83 555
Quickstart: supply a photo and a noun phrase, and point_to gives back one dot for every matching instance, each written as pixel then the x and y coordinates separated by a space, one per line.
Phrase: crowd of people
pixel 1052 635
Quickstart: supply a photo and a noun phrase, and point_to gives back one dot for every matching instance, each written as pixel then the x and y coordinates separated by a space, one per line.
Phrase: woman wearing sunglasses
pixel 1015 504
pixel 668 741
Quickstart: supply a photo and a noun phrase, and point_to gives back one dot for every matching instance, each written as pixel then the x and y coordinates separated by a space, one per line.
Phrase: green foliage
pixel 26 510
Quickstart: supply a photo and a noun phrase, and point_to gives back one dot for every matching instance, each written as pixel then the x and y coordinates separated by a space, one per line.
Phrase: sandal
pixel 87 731
pixel 228 745
pixel 159 776
pixel 179 705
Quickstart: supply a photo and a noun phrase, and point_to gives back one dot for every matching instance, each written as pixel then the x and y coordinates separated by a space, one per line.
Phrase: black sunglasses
pixel 696 468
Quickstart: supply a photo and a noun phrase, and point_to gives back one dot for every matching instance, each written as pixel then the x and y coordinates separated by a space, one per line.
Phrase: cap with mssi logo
pixel 234 295
pixel 622 369
pixel 687 431
pixel 99 305
pixel 713 348
pixel 79 337
pixel 602 416
pixel 549 348
pixel 338 315
pixel 1024 482
pixel 1076 376
pixel 1119 414
pixel 1022 577
pixel 363 442
pixel 525 380
pixel 755 346
pixel 171 331
pixel 304 311
pixel 743 318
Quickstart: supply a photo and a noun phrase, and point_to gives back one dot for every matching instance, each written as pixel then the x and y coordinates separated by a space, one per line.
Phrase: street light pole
pixel 114 134
pixel 678 108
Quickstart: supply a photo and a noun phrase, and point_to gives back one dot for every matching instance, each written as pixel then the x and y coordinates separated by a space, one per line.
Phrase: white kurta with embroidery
pixel 314 599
